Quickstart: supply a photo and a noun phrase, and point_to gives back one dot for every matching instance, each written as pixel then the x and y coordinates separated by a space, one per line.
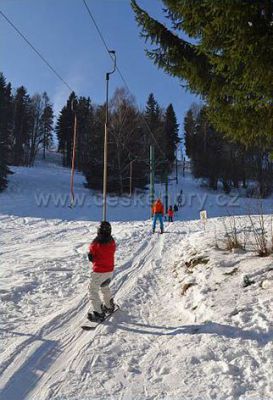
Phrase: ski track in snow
pixel 212 342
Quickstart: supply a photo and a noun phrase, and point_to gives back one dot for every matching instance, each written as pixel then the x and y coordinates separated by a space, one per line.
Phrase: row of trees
pixel 217 159
pixel 26 125
pixel 131 132
pixel 222 51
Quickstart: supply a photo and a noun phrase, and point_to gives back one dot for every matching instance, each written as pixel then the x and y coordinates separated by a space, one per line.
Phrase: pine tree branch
pixel 175 55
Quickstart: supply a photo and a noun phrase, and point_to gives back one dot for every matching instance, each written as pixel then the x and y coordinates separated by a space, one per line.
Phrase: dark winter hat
pixel 105 228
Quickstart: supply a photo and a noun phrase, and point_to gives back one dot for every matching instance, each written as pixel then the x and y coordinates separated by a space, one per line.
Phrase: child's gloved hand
pixel 90 257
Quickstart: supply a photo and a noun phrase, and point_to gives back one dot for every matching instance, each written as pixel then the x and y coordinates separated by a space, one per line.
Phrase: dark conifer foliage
pixel 32 121
pixel 128 140
pixel 155 118
pixel 65 129
pixel 219 160
pixel 85 127
pixel 152 114
pixel 227 59
pixel 26 125
pixel 21 125
pixel 5 130
pixel 171 128
pixel 164 127
pixel 93 166
pixel 47 124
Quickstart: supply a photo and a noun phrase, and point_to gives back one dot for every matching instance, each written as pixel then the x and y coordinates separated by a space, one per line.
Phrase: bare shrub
pixel 260 233
pixel 232 240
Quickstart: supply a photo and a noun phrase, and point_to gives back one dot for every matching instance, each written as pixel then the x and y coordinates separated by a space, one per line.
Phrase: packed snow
pixel 187 328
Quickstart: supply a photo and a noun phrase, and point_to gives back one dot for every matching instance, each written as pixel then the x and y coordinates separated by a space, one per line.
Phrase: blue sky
pixel 63 32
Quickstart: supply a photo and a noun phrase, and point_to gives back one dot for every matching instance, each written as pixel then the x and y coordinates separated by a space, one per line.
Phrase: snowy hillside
pixel 187 327
pixel 214 341
pixel 44 192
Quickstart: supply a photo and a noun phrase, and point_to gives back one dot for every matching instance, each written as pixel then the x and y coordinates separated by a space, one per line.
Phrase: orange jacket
pixel 158 207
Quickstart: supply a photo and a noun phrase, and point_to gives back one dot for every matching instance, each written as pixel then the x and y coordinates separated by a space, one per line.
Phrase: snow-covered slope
pixel 186 328
pixel 214 341
pixel 44 192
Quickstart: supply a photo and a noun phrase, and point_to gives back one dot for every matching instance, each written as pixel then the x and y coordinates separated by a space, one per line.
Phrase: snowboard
pixel 92 325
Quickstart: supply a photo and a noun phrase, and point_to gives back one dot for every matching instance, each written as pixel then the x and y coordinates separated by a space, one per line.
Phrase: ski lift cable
pixel 107 49
pixel 119 71
pixel 36 51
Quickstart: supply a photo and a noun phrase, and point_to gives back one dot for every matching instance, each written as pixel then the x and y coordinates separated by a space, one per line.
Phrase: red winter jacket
pixel 158 208
pixel 103 255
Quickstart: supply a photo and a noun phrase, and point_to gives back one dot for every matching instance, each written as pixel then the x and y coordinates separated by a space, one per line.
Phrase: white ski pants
pixel 99 283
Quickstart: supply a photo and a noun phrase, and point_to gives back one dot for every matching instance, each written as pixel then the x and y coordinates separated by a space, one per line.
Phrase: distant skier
pixel 158 213
pixel 175 208
pixel 180 198
pixel 170 214
pixel 101 254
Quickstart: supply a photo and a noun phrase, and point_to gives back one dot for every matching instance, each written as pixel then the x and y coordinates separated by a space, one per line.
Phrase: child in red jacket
pixel 101 254
pixel 170 214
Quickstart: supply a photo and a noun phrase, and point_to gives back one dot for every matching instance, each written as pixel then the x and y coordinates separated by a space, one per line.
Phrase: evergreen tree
pixel 171 133
pixel 128 140
pixel 217 159
pixel 155 118
pixel 47 119
pixel 65 129
pixel 21 125
pixel 35 135
pixel 189 133
pixel 5 130
pixel 152 113
pixel 60 130
pixel 227 59
pixel 93 166
pixel 85 126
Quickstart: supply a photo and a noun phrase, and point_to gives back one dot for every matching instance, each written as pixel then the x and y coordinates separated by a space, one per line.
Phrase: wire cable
pixel 97 27
pixel 69 88
pixel 119 71
pixel 36 51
